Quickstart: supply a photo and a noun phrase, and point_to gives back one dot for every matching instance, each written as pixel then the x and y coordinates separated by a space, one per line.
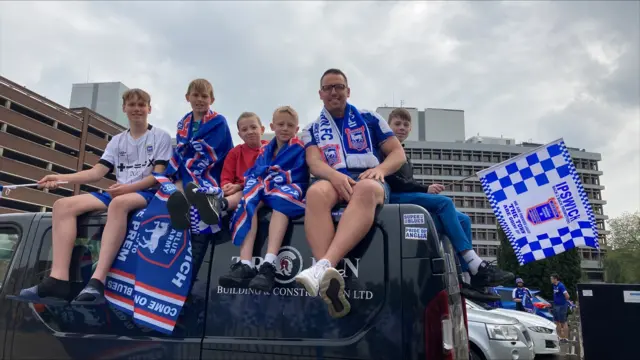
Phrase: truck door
pixel 286 323
pixel 95 332
pixel 14 240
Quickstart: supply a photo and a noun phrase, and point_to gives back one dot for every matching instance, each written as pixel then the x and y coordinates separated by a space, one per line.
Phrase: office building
pixel 102 98
pixel 40 137
pixel 452 161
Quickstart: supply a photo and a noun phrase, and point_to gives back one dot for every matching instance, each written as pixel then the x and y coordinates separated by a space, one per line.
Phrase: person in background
pixel 519 293
pixel 560 307
pixel 456 225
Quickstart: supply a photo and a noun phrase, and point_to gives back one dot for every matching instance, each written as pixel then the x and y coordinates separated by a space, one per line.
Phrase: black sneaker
pixel 489 275
pixel 265 279
pixel 475 294
pixel 208 205
pixel 178 207
pixel 50 291
pixel 92 294
pixel 239 276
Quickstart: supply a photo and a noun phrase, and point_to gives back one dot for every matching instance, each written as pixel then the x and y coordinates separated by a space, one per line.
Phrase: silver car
pixel 497 337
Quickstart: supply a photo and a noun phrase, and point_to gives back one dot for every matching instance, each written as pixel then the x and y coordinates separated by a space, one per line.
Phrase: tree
pixel 622 261
pixel 536 274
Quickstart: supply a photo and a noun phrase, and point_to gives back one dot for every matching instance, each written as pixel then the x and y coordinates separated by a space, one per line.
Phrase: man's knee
pixel 369 190
pixel 465 220
pixel 322 192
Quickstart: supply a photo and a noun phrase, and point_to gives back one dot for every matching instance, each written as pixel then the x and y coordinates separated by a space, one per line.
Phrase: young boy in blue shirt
pixel 457 226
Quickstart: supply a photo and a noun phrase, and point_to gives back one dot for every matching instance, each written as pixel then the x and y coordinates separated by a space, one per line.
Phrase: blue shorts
pixel 559 313
pixel 385 186
pixel 105 197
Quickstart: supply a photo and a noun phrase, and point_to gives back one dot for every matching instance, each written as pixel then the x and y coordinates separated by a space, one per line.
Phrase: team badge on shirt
pixel 331 153
pixel 149 149
pixel 356 138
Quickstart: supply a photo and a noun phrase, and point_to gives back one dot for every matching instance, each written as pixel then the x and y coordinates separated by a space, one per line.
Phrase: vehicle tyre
pixel 474 354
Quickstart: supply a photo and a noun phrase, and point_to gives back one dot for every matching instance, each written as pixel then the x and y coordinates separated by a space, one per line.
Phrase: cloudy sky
pixel 523 70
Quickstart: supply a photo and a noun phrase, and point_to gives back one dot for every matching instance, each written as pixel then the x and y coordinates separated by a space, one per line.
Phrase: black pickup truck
pixel 401 281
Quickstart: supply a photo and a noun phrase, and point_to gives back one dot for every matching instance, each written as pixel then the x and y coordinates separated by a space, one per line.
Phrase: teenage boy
pixel 457 226
pixel 202 143
pixel 520 294
pixel 278 180
pixel 132 155
pixel 241 158
pixel 560 307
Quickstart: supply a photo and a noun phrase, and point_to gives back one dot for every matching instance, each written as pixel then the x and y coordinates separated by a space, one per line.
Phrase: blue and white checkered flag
pixel 540 203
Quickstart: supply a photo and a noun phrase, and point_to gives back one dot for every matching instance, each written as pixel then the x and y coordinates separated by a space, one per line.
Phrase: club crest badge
pixel 356 138
pixel 331 154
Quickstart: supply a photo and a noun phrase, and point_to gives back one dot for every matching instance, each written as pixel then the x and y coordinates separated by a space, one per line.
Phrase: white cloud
pixel 518 69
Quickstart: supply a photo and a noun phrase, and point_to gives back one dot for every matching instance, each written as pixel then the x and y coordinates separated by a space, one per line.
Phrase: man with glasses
pixel 344 151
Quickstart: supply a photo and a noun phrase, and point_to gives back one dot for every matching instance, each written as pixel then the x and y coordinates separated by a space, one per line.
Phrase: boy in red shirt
pixel 241 158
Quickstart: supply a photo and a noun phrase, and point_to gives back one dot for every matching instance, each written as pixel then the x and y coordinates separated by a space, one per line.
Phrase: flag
pixel 540 203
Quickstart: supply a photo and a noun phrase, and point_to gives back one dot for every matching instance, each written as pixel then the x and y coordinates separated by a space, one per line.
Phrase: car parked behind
pixel 494 336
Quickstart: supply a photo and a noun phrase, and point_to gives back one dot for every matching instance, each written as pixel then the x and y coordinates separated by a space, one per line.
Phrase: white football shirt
pixel 133 159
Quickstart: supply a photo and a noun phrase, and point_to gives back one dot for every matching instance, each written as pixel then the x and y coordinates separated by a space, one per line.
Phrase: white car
pixel 542 331
pixel 493 336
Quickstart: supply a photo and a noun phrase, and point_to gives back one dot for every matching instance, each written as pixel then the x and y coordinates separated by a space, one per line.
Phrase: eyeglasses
pixel 337 87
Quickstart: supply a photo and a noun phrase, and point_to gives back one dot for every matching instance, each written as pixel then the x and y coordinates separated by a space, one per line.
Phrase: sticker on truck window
pixel 415 233
pixel 413 219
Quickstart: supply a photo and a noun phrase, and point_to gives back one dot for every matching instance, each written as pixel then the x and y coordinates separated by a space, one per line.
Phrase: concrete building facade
pixel 102 98
pixel 40 137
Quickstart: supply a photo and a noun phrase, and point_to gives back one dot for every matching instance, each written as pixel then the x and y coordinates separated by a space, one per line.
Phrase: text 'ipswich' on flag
pixel 540 203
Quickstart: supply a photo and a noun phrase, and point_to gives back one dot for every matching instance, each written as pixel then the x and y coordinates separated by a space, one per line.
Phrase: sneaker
pixel 490 275
pixel 332 292
pixel 265 280
pixel 178 207
pixel 50 291
pixel 208 205
pixel 239 276
pixel 92 294
pixel 468 292
pixel 310 279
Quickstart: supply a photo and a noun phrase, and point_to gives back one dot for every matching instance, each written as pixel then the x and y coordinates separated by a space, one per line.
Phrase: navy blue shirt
pixel 518 293
pixel 558 294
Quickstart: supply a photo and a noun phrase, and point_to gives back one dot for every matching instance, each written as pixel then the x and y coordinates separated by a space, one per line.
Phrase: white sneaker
pixel 310 278
pixel 332 292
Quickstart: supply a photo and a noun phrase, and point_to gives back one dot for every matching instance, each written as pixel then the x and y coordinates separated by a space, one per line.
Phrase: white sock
pixel 248 262
pixel 473 260
pixel 270 258
pixel 324 263
pixel 466 277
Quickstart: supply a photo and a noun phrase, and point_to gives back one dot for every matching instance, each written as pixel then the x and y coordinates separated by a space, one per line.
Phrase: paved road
pixel 572 350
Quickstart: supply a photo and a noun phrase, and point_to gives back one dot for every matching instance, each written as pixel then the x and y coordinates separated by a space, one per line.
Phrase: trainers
pixel 239 276
pixel 208 205
pixel 490 275
pixel 92 294
pixel 50 291
pixel 265 279
pixel 332 292
pixel 310 278
pixel 468 292
pixel 178 207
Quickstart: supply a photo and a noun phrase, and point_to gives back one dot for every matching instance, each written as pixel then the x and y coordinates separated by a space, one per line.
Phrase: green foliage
pixel 536 274
pixel 622 261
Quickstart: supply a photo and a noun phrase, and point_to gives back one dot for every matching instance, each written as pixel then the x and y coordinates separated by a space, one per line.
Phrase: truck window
pixel 9 238
pixel 84 257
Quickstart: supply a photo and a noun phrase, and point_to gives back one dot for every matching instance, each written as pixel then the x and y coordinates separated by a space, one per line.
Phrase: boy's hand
pixel 117 190
pixel 435 189
pixel 49 182
pixel 230 189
